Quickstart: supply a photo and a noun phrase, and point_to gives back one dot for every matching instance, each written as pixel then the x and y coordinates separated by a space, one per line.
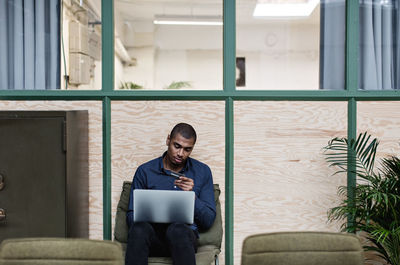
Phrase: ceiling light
pixel 188 20
pixel 288 8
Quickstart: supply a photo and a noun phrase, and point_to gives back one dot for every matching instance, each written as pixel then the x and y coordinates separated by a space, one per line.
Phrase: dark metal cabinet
pixel 43 174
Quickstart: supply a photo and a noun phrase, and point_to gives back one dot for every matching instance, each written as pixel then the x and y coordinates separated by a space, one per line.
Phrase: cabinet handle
pixel 1 182
pixel 2 214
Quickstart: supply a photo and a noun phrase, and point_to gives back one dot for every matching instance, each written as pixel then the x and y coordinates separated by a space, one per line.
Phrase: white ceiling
pixel 144 11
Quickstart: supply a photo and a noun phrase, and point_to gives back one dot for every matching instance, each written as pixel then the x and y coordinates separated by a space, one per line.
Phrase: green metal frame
pixel 229 144
pixel 229 94
pixel 352 26
pixel 106 168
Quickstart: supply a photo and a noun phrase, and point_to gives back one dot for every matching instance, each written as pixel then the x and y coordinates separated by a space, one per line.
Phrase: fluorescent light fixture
pixel 288 8
pixel 188 20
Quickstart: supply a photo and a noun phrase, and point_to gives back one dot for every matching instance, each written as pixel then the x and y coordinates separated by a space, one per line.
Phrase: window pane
pixel 165 44
pixel 379 49
pixel 29 45
pixel 50 44
pixel 290 44
pixel 81 45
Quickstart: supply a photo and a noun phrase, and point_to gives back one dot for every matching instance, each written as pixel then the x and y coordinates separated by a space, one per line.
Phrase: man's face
pixel 179 149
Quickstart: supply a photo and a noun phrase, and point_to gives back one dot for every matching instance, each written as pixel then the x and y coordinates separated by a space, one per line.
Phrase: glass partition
pixel 29 45
pixel 290 44
pixel 81 44
pixel 50 45
pixel 168 44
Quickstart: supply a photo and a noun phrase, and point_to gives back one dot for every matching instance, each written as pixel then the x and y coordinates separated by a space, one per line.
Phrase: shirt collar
pixel 161 164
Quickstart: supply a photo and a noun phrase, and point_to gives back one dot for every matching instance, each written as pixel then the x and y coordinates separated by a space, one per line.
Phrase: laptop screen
pixel 163 206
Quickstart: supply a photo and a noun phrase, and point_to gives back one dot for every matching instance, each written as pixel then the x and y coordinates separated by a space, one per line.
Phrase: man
pixel 176 240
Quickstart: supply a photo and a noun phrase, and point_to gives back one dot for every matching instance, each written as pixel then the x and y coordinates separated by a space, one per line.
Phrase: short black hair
pixel 184 129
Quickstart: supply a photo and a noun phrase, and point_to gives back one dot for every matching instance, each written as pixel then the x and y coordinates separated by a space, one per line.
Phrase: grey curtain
pixel 29 44
pixel 379 56
pixel 332 44
pixel 379 45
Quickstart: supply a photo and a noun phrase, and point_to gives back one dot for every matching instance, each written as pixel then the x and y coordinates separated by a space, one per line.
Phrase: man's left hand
pixel 185 183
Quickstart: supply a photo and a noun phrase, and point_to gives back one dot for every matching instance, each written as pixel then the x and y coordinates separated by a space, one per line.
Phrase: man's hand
pixel 184 183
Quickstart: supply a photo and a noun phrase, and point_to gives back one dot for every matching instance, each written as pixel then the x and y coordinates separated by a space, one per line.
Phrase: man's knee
pixel 178 231
pixel 140 230
pixel 182 241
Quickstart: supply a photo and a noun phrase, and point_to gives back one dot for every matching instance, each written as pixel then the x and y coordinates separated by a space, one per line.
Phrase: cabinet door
pixel 32 163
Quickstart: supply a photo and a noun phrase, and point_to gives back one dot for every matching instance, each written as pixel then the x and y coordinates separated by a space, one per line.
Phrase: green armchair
pixel 302 248
pixel 60 251
pixel 209 243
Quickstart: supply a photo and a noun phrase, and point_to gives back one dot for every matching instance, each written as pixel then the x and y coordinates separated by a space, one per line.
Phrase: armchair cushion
pixel 60 251
pixel 302 248
pixel 121 227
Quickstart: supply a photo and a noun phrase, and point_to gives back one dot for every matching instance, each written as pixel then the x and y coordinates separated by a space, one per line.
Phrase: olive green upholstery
pixel 209 242
pixel 60 251
pixel 302 248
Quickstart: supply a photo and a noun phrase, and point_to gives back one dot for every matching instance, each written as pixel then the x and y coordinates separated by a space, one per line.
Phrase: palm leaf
pixel 358 154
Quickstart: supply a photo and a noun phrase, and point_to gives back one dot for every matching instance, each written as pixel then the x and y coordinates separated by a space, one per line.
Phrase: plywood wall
pixel 381 120
pixel 140 129
pixel 281 181
pixel 95 151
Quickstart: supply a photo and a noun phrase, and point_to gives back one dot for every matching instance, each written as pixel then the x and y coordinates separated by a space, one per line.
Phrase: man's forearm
pixel 204 214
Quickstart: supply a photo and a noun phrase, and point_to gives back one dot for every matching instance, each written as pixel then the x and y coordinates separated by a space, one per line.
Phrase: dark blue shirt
pixel 152 175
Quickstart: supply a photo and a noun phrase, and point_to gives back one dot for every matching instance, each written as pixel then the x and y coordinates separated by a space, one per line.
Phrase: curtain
pixel 29 44
pixel 332 44
pixel 378 45
pixel 379 56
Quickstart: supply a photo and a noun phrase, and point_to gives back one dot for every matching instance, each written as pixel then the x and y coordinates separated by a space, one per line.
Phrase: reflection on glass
pixel 279 42
pixel 379 66
pixel 168 44
pixel 81 44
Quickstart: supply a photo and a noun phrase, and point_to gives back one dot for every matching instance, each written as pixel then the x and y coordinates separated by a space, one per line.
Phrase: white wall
pixel 278 56
pixel 119 76
pixel 143 72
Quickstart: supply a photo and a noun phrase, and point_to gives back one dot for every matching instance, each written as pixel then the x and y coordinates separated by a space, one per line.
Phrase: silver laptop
pixel 163 206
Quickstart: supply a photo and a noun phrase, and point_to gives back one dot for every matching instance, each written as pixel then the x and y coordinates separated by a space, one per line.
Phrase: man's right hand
pixel 184 183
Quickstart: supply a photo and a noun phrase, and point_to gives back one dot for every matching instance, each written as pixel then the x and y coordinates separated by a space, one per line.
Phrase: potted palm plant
pixel 373 205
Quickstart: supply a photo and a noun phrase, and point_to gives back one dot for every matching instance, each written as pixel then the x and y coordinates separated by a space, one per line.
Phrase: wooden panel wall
pixel 281 181
pixel 95 151
pixel 140 129
pixel 382 120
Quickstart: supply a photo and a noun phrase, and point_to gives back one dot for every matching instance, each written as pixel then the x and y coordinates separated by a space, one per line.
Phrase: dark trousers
pixel 161 240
